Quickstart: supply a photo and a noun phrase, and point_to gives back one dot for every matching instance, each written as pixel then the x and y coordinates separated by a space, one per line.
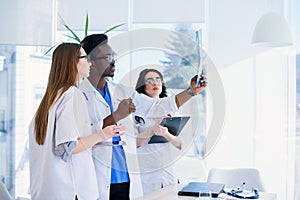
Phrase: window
pixel 24 69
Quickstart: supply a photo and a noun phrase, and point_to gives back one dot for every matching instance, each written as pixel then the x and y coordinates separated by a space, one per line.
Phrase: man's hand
pixel 125 108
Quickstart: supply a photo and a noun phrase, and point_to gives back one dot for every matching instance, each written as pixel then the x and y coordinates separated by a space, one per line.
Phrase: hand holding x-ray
pixel 200 66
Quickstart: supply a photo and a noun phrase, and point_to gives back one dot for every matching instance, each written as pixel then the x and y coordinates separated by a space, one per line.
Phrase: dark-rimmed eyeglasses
pixel 109 58
pixel 85 56
pixel 151 81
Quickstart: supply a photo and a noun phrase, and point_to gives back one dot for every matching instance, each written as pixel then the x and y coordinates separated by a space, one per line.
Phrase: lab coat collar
pixel 90 90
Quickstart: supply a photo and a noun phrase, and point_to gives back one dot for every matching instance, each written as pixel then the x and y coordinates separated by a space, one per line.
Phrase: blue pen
pixel 116 140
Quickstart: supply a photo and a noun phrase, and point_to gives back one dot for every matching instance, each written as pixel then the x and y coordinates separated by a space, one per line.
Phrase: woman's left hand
pixel 161 130
pixel 203 84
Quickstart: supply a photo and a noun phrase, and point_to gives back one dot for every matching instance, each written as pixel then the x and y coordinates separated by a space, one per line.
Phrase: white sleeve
pixel 65 123
pixel 149 107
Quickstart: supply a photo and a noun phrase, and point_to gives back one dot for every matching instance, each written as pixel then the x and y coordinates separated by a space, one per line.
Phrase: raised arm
pixel 185 95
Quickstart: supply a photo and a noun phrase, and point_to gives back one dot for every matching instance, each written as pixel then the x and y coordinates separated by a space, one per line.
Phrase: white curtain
pixel 26 22
pixel 102 14
pixel 168 11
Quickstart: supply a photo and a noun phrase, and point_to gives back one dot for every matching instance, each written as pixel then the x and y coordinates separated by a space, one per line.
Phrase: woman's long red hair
pixel 63 75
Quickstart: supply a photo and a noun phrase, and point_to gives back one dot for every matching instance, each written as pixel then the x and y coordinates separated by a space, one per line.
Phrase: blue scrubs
pixel 119 172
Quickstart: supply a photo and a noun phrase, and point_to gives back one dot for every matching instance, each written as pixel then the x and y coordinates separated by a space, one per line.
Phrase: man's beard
pixel 109 72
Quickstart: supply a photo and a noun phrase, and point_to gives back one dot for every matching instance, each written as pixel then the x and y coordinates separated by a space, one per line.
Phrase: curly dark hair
pixel 140 85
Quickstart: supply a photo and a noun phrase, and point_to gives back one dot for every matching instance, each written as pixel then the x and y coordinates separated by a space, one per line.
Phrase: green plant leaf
pixel 51 48
pixel 75 36
pixel 86 25
pixel 113 28
pixel 69 36
pixel 69 29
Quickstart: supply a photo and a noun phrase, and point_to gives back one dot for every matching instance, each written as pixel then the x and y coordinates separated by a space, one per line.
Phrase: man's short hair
pixel 91 41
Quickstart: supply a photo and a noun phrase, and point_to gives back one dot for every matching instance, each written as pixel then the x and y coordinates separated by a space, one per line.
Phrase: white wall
pixel 258 92
pixel 230 25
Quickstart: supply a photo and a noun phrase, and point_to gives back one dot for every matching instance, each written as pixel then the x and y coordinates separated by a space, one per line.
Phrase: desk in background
pixel 170 193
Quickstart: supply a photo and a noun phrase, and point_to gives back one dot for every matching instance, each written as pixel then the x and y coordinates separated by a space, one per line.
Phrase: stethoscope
pixel 238 192
pixel 139 120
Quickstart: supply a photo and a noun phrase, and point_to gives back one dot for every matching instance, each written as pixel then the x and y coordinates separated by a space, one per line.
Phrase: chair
pixel 4 194
pixel 233 178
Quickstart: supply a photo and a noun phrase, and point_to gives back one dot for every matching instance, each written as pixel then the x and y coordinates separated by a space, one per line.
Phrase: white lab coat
pixel 51 177
pixel 98 110
pixel 156 160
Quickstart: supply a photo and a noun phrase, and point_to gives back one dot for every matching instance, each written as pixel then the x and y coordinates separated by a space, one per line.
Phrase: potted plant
pixel 74 35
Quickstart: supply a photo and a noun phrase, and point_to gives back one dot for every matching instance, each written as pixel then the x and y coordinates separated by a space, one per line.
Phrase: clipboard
pixel 174 125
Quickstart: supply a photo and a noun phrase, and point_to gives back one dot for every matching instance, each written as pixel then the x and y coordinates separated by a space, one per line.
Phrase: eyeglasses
pixel 151 81
pixel 85 56
pixel 109 58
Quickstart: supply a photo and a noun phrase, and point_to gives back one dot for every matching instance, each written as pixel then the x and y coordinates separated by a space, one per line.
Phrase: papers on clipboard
pixel 174 125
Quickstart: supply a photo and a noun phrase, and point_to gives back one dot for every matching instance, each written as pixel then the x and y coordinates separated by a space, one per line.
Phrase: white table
pixel 170 193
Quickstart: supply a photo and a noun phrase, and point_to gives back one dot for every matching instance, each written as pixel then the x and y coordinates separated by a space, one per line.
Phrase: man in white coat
pixel 116 162
pixel 113 160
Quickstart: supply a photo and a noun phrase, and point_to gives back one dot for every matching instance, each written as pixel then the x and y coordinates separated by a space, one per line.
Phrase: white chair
pixel 233 178
pixel 4 194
